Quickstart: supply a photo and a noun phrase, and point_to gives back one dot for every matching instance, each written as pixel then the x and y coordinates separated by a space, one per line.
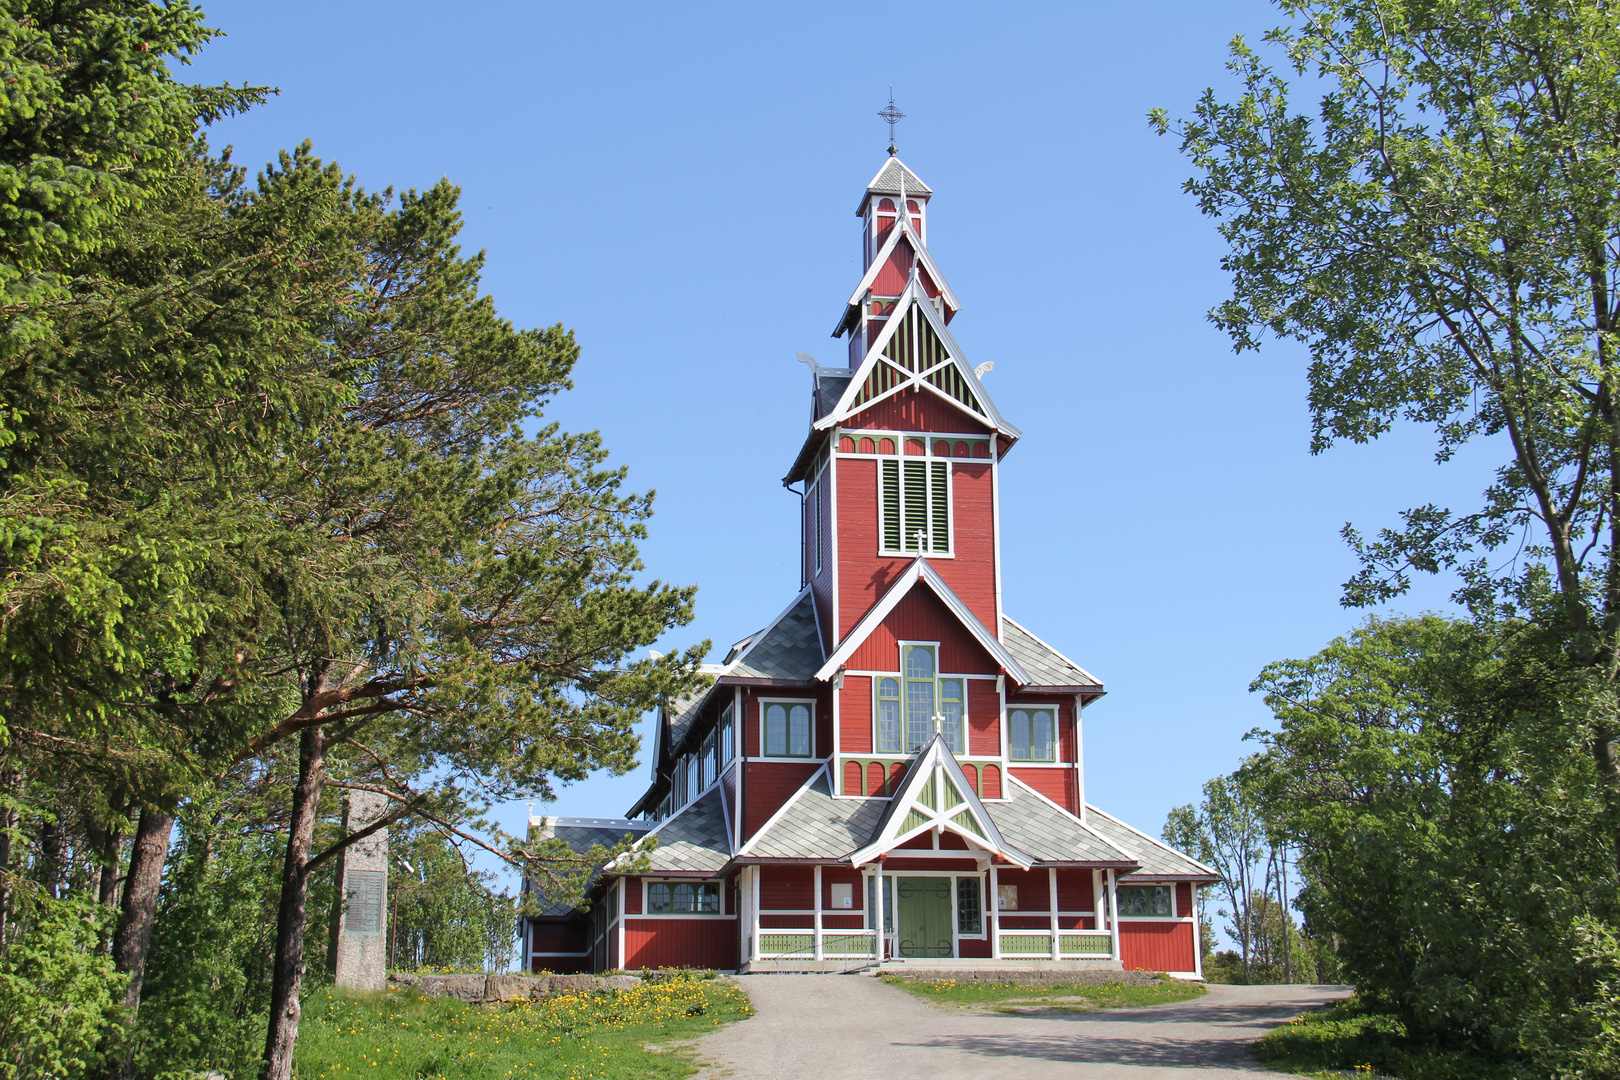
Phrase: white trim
pixel 919 570
pixel 945 675
pixel 832 566
pixel 1079 757
pixel 1149 839
pixel 811 756
pixel 739 719
pixel 928 462
pixel 875 266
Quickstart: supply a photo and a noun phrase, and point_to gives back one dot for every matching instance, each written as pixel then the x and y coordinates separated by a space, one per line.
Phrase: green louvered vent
pixel 916 503
pixel 940 505
pixel 965 819
pixel 891 504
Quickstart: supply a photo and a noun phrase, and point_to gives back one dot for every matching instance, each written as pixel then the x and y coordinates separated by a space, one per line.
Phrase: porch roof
pixel 1158 859
pixel 1050 833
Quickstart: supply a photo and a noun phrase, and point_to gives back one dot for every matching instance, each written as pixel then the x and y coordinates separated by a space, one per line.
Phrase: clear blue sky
pixel 677 183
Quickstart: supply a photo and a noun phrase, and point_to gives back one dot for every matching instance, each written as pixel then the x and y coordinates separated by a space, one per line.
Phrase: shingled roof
pixel 1050 834
pixel 817 826
pixel 580 834
pixel 790 648
pixel 693 841
pixel 1046 666
pixel 887 180
pixel 1158 859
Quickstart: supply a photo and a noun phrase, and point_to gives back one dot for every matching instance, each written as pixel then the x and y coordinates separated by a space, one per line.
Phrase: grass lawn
pixel 401 1035
pixel 1072 997
pixel 1347 1040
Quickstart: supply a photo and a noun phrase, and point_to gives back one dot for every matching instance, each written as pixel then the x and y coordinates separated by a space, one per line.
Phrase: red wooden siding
pixel 922 616
pixel 1184 899
pixel 842 875
pixel 974 948
pixel 864 576
pixel 917 410
pixel 984 719
pixel 769 784
pixel 958 866
pixel 1156 946
pixel 844 922
pixel 554 938
pixel 855 717
pixel 1056 784
pixel 790 887
pixel 952 842
pixel 1074 890
pixel 632 896
pixel 1034 891
pixel 1015 921
pixel 891 280
pixel 662 943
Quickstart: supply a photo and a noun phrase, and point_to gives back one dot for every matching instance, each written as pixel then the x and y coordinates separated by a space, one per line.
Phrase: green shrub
pixel 59 995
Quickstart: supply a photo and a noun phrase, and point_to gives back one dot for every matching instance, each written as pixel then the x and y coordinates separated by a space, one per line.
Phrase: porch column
pixel 1198 933
pixel 817 876
pixel 754 908
pixel 621 887
pixel 883 929
pixel 995 913
pixel 1051 888
pixel 1099 911
pixel 1113 915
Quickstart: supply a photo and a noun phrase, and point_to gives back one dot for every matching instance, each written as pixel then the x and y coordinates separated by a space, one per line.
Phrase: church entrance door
pixel 924 913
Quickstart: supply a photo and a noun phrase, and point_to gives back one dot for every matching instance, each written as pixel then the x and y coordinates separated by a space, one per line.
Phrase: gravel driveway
pixel 836 1026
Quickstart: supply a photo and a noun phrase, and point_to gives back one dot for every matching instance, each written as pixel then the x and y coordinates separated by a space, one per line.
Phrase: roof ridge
pixel 760 634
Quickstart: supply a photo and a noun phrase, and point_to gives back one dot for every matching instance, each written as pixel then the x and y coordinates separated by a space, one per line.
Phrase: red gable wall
pixel 923 616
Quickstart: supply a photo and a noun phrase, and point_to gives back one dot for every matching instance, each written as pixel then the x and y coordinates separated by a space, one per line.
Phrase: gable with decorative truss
pixel 915 350
pixel 936 795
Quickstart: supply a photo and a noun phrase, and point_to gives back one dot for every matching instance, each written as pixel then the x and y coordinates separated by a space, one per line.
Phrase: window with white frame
pixel 679 783
pixel 1032 734
pixel 1145 900
pixel 706 756
pixel 728 737
pixel 788 728
pixel 914 504
pixel 683 898
pixel 910 709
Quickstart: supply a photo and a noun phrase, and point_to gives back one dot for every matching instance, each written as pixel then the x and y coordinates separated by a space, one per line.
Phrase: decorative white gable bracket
pixel 935 795
pixel 920 571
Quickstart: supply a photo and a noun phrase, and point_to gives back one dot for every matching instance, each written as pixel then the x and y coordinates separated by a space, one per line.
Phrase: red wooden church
pixel 892 769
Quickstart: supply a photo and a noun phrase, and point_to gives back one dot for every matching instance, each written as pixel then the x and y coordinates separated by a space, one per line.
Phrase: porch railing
pixel 801 944
pixel 1072 944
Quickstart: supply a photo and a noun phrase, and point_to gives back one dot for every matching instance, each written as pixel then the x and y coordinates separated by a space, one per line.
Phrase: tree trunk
pixel 139 911
pixel 50 857
pixel 107 844
pixel 288 976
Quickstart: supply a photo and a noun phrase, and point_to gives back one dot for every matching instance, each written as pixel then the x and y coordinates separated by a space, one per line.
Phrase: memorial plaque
pixel 367 893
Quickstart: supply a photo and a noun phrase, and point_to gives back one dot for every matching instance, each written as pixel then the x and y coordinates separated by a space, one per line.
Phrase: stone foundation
pixel 486 989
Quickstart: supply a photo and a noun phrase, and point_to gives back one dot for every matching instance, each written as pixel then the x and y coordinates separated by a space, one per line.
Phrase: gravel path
pixel 836 1026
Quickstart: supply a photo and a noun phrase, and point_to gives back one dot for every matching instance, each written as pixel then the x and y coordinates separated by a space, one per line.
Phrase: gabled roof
pixel 1047 668
pixel 814 825
pixel 853 304
pixel 919 570
pixel 789 648
pixel 888 180
pixel 1158 859
pixel 1045 830
pixel 915 298
pixel 936 795
pixel 692 841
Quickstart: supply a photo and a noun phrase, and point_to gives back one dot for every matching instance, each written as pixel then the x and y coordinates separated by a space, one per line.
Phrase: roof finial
pixel 893 116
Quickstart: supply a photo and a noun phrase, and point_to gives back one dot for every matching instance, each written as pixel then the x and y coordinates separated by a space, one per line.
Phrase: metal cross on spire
pixel 893 116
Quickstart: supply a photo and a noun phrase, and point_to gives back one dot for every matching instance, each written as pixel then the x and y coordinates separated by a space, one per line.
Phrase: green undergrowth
pixel 401 1035
pixel 1348 1040
pixel 1076 997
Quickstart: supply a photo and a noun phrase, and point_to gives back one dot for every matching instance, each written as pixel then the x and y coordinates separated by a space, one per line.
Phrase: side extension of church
pixel 893 768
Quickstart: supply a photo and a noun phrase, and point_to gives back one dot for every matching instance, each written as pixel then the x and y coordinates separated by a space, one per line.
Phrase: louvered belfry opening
pixel 916 502
pixel 916 349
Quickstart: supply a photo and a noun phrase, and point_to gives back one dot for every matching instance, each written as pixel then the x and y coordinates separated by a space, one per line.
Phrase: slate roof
pixel 1158 859
pixel 788 649
pixel 1045 665
pixel 1043 831
pixel 693 841
pixel 829 388
pixel 817 826
pixel 887 180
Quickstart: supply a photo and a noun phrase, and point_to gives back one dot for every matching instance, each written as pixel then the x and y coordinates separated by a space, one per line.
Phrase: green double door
pixel 925 916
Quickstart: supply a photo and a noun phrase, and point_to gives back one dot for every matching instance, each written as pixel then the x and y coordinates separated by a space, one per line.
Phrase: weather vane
pixel 893 116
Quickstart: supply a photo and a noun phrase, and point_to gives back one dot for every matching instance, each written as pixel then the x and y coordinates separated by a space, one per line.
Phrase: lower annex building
pixel 892 769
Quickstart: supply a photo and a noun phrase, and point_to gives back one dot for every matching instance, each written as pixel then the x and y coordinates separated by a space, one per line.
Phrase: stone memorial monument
pixel 359 953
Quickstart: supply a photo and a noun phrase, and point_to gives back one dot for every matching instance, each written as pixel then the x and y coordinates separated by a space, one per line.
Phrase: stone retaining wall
pixel 482 989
